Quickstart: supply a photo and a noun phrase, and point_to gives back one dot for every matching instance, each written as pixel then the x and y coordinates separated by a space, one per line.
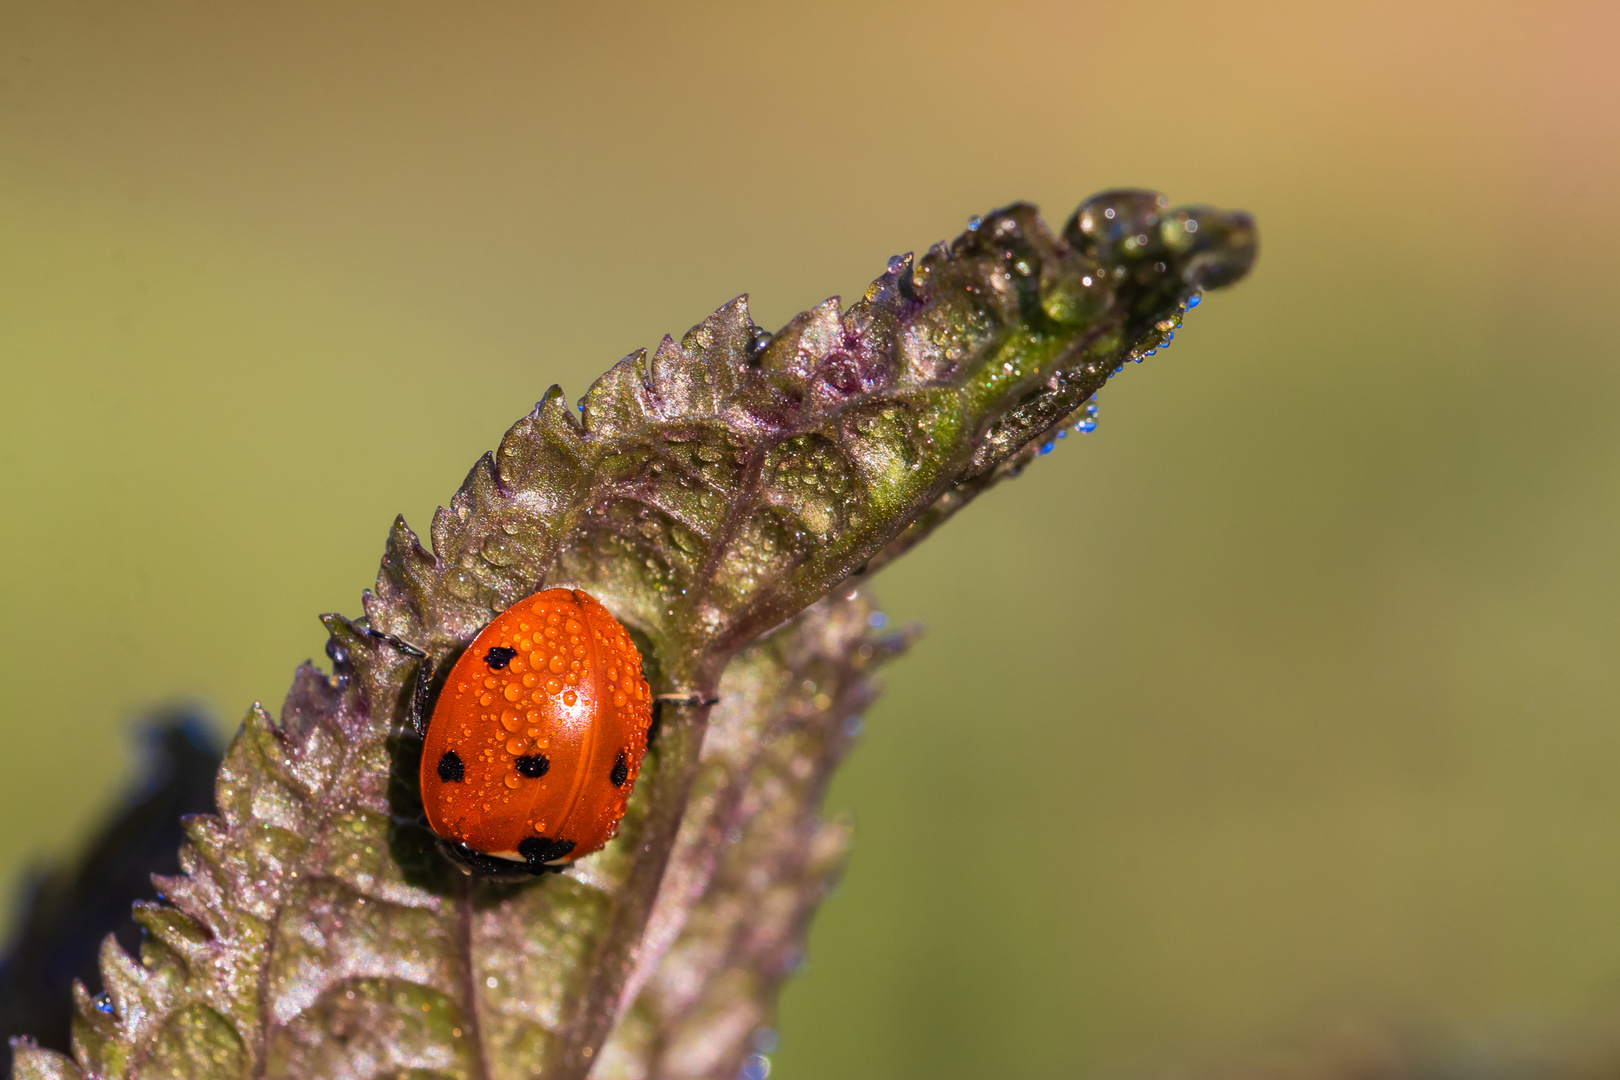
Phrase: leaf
pixel 753 857
pixel 710 497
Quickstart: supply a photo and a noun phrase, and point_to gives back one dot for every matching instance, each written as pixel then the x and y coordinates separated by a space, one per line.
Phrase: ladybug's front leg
pixel 691 700
pixel 416 710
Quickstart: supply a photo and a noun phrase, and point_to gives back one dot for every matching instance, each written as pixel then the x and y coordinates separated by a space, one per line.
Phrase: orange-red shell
pixel 565 685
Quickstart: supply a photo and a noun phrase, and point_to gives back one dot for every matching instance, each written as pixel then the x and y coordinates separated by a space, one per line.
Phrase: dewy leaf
pixel 711 498
pixel 753 858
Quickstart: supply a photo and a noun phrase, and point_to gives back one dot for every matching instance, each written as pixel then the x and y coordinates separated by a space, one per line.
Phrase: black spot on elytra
pixel 543 849
pixel 621 770
pixel 450 768
pixel 533 765
pixel 498 657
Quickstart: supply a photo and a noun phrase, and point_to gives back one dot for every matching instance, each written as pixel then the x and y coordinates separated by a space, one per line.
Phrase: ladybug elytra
pixel 537 737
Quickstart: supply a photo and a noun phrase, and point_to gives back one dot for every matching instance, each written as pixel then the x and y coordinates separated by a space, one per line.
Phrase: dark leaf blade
pixel 72 909
pixel 708 497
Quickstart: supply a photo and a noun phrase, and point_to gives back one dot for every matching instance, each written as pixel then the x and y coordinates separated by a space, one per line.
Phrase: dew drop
pixel 497 551
pixel 897 263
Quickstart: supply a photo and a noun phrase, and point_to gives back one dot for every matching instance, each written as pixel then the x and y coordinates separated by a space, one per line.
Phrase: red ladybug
pixel 537 737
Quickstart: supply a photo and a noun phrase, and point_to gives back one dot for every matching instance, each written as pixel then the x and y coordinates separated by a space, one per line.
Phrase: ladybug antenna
pixel 693 699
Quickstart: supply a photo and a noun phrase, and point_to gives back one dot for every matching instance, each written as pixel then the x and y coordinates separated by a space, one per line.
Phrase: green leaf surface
pixel 720 499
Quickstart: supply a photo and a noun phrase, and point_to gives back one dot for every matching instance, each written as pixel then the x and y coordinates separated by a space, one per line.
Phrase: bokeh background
pixel 1290 694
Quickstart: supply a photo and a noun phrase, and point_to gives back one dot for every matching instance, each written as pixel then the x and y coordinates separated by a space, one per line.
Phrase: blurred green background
pixel 1309 704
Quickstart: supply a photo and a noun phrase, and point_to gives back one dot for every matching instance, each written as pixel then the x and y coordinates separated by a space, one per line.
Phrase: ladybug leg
pixel 416 710
pixel 692 700
pixel 398 643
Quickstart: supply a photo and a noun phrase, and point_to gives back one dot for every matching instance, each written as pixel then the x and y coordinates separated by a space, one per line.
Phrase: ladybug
pixel 537 737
